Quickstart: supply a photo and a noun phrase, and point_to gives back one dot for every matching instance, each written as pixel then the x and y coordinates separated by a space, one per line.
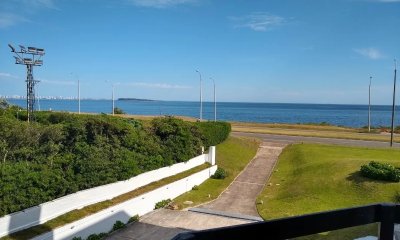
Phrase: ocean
pixel 335 114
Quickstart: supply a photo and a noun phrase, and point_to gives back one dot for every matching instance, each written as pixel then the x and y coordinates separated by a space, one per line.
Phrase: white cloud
pixel 10 19
pixel 7 75
pixel 259 21
pixel 20 11
pixel 371 53
pixel 32 5
pixel 156 85
pixel 159 3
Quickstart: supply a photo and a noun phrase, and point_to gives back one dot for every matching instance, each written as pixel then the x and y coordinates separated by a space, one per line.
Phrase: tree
pixel 4 104
pixel 119 111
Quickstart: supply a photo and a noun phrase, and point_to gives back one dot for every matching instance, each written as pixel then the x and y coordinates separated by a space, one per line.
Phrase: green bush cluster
pixel 397 197
pixel 63 153
pixel 213 133
pixel 96 236
pixel 134 219
pixel 162 204
pixel 381 171
pixel 117 225
pixel 119 111
pixel 220 174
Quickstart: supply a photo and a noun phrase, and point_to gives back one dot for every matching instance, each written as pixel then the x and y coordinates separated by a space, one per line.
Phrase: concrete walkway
pixel 165 224
pixel 236 205
pixel 240 197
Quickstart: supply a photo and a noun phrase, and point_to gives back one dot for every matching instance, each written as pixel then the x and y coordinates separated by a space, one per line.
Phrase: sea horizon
pixel 349 115
pixel 191 101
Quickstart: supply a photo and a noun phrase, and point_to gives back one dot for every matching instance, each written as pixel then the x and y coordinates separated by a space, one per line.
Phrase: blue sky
pixel 296 51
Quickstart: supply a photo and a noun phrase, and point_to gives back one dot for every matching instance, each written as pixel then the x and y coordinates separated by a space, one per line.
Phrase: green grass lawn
pixel 313 178
pixel 232 155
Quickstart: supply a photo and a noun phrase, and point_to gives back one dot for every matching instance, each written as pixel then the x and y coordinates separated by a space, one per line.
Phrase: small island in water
pixel 136 99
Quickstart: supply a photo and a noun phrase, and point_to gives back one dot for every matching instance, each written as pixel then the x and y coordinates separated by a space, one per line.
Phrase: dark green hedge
pixel 63 153
pixel 213 133
pixel 381 171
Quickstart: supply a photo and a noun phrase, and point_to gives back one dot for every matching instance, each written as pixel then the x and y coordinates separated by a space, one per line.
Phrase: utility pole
pixel 215 102
pixel 113 105
pixel 369 105
pixel 79 96
pixel 394 104
pixel 79 93
pixel 112 97
pixel 33 59
pixel 201 98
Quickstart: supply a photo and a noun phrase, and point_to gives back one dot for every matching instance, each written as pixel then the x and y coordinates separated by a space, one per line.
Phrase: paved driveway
pixel 236 205
pixel 240 197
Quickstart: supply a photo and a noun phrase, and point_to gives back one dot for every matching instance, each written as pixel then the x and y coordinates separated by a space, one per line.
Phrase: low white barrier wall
pixel 49 210
pixel 103 221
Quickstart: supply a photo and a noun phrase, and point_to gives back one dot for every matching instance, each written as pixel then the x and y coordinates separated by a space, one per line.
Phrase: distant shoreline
pixel 220 102
pixel 136 99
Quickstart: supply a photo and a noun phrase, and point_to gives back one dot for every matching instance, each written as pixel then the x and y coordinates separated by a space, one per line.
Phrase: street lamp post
pixel 112 97
pixel 369 105
pixel 113 104
pixel 215 102
pixel 394 104
pixel 79 93
pixel 201 98
pixel 79 96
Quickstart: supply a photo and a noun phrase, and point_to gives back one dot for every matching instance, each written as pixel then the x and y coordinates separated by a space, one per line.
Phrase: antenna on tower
pixel 30 58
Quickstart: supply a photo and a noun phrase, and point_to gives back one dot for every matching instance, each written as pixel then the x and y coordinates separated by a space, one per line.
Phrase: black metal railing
pixel 384 213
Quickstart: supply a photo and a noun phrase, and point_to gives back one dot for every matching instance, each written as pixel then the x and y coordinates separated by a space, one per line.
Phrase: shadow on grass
pixel 357 178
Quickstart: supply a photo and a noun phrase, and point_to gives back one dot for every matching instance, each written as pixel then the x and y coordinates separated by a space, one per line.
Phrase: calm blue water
pixel 345 115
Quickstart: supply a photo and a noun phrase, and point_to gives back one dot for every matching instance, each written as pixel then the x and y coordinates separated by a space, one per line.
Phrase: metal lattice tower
pixel 33 59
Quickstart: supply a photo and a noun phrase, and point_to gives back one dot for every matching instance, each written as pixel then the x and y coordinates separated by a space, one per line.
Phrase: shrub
pixel 102 235
pixel 220 174
pixel 118 225
pixel 397 197
pixel 134 219
pixel 381 171
pixel 180 140
pixel 213 133
pixel 162 203
pixel 95 236
pixel 63 153
pixel 119 111
pixel 195 187
pixel 77 238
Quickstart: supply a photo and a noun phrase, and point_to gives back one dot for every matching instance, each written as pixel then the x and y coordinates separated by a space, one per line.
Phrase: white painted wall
pixel 49 210
pixel 104 220
pixel 211 155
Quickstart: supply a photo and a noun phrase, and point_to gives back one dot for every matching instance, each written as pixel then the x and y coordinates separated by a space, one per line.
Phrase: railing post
pixel 386 230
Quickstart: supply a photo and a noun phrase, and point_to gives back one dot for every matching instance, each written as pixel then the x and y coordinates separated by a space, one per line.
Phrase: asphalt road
pixel 293 139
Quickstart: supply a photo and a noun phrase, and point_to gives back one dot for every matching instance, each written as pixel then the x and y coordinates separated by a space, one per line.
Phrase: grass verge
pixel 94 208
pixel 311 178
pixel 232 155
pixel 311 131
pixel 318 127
